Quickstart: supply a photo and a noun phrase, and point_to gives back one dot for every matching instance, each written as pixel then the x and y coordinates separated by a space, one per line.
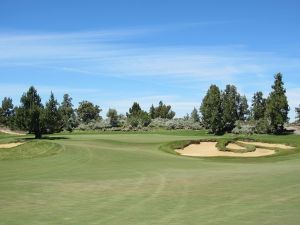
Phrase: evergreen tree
pixel 258 106
pixel 152 112
pixel 6 111
pixel 230 99
pixel 195 116
pixel 67 113
pixel 211 110
pixel 52 119
pixel 134 110
pixel 162 111
pixel 137 116
pixel 29 112
pixel 277 107
pixel 243 108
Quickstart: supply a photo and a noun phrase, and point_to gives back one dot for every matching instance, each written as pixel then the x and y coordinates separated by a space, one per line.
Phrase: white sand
pixel 209 149
pixel 10 145
pixel 261 144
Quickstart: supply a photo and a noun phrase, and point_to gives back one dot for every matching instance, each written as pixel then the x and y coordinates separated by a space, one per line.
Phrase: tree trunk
pixel 38 135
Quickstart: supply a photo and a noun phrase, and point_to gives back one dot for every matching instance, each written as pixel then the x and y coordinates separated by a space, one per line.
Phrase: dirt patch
pixel 266 145
pixel 209 149
pixel 10 145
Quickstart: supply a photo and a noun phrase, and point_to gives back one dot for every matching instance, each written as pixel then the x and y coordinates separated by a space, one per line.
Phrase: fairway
pixel 128 178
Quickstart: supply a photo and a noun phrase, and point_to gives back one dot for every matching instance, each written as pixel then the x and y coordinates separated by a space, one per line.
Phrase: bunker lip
pixel 11 145
pixel 209 149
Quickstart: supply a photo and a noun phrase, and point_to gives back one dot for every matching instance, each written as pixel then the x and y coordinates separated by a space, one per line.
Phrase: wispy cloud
pixel 111 53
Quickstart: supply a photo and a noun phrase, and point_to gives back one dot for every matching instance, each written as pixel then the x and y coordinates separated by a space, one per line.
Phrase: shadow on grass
pixel 45 138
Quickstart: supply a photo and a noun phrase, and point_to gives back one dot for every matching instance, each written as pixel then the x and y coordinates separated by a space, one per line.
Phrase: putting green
pixel 133 179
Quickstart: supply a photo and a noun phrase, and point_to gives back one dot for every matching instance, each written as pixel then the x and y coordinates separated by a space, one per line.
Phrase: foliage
pixel 52 119
pixel 87 112
pixel 277 107
pixel 243 108
pixel 243 128
pixel 112 114
pixel 230 99
pixel 138 117
pixel 211 110
pixel 258 106
pixel 195 115
pixel 161 111
pixel 67 113
pixel 29 113
pixel 6 111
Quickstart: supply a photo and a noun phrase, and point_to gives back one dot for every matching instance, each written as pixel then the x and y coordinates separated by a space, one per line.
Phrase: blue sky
pixel 115 52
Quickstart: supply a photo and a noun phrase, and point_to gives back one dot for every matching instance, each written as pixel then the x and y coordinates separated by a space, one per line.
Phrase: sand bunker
pixel 209 149
pixel 235 146
pixel 10 145
pixel 266 145
pixel 11 132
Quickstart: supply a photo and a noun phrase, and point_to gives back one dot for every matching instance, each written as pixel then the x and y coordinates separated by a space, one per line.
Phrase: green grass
pixel 131 178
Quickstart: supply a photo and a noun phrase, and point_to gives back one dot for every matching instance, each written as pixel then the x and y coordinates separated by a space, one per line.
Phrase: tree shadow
pixel 45 138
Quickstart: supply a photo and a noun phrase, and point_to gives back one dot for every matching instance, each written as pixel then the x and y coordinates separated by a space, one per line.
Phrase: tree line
pixel 35 118
pixel 220 111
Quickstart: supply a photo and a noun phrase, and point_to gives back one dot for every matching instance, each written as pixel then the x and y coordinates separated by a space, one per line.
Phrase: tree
pixel 112 114
pixel 277 107
pixel 211 110
pixel 152 112
pixel 67 113
pixel 195 116
pixel 52 119
pixel 134 110
pixel 137 116
pixel 258 106
pixel 29 112
pixel 298 114
pixel 243 108
pixel 162 111
pixel 87 111
pixel 230 99
pixel 6 111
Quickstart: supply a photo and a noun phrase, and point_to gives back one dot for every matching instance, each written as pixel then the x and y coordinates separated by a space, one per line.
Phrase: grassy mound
pixel 30 150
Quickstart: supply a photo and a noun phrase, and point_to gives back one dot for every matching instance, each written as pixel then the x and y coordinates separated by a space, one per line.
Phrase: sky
pixel 115 52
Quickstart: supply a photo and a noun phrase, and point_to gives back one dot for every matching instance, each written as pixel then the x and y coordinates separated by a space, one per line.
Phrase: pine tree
pixel 258 106
pixel 243 108
pixel 152 112
pixel 67 113
pixel 211 110
pixel 230 99
pixel 195 116
pixel 6 111
pixel 277 107
pixel 52 119
pixel 162 111
pixel 30 111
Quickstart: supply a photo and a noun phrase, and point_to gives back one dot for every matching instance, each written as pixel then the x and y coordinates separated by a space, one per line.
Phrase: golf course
pixel 138 178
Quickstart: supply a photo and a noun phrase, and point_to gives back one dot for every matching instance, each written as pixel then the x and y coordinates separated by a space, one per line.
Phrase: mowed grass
pixel 129 179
